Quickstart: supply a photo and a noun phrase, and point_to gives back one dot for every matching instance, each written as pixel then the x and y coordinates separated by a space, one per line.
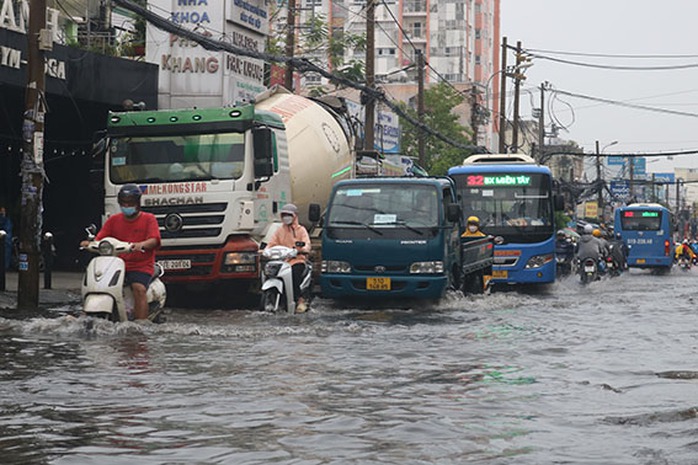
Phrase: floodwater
pixel 603 374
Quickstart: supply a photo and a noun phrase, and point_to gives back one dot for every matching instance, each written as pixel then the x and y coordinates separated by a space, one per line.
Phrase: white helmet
pixel 588 229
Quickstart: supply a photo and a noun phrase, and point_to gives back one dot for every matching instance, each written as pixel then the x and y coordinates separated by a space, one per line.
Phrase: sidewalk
pixel 65 289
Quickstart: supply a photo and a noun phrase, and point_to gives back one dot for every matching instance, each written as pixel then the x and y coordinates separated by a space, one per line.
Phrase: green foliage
pixel 561 220
pixel 439 102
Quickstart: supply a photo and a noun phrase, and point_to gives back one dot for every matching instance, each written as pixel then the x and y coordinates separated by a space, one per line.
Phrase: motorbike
pixel 104 294
pixel 277 279
pixel 684 263
pixel 588 270
pixel 564 265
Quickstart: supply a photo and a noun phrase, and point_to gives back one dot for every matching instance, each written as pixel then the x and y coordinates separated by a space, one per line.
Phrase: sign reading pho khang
pixel 193 76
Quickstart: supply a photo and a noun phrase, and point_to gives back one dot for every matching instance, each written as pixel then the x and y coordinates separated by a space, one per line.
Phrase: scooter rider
pixel 684 250
pixel 589 246
pixel 288 235
pixel 473 228
pixel 564 248
pixel 141 230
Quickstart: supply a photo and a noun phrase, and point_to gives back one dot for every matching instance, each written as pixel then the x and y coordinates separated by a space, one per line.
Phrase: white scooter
pixel 277 279
pixel 103 292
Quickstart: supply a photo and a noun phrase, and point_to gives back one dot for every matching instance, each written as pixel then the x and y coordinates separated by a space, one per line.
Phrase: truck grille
pixel 189 221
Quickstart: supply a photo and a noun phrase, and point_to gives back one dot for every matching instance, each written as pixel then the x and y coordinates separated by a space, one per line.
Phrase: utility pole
pixel 290 43
pixel 517 85
pixel 502 100
pixel 541 123
pixel 39 39
pixel 631 164
pixel 420 105
pixel 370 106
pixel 599 181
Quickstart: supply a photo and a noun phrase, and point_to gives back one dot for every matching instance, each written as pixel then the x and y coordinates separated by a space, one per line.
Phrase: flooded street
pixel 603 374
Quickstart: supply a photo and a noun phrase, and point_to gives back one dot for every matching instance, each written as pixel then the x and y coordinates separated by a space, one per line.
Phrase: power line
pixel 610 55
pixel 615 67
pixel 627 105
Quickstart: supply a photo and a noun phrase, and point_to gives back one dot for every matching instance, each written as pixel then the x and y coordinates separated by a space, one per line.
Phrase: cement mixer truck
pixel 217 178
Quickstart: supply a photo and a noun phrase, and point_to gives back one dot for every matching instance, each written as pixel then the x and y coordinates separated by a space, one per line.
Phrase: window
pixel 478 34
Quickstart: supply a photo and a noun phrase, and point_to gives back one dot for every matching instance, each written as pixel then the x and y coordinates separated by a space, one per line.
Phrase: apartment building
pixel 459 40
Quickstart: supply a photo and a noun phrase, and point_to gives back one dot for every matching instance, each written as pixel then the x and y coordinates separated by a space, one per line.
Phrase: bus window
pixel 637 220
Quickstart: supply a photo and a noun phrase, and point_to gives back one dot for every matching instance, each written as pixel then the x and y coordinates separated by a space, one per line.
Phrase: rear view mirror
pixel 314 212
pixel 453 212
pixel 263 152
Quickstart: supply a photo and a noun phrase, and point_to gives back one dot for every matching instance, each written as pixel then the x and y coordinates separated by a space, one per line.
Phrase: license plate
pixel 588 269
pixel 641 260
pixel 378 284
pixel 500 274
pixel 175 264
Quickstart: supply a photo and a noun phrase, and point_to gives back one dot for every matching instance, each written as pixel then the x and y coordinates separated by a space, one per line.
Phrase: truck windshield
pixel 176 158
pixel 515 206
pixel 385 208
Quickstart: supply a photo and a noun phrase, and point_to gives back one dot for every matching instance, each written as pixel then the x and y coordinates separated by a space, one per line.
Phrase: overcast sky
pixel 614 27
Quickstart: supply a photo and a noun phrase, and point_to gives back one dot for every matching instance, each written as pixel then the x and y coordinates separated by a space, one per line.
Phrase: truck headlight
pixel 427 267
pixel 539 260
pixel 240 258
pixel 335 266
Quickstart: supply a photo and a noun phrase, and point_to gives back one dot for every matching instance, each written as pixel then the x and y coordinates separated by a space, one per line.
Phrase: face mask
pixel 472 228
pixel 128 211
pixel 287 219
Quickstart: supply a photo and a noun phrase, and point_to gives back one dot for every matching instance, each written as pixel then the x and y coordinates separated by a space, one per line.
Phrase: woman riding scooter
pixel 289 234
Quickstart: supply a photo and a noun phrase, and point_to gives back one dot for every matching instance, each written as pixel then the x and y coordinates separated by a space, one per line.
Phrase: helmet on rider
pixel 473 220
pixel 288 212
pixel 561 234
pixel 588 229
pixel 597 233
pixel 129 194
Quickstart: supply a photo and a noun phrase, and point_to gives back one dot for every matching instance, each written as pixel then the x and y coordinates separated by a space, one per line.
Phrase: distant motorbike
pixel 564 265
pixel 104 294
pixel 588 270
pixel 684 264
pixel 277 279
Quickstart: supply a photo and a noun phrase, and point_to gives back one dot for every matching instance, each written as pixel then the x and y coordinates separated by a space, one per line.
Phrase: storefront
pixel 81 87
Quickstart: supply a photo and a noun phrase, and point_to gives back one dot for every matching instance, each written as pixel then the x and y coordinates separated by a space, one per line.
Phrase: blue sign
pixel 615 160
pixel 620 189
pixel 666 178
pixel 639 167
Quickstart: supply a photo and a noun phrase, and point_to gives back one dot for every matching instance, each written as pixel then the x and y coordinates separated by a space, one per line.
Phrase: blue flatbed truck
pixel 391 238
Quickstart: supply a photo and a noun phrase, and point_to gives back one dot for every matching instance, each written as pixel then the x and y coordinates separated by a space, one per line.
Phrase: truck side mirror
pixel 314 212
pixel 453 212
pixel 263 152
pixel 559 202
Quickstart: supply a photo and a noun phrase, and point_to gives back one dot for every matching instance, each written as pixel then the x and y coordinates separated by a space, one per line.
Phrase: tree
pixel 320 45
pixel 439 101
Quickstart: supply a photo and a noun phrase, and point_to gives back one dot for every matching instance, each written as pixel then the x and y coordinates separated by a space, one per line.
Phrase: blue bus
pixel 513 198
pixel 646 228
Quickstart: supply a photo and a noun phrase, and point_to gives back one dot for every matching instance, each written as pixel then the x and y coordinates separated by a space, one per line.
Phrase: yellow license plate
pixel 641 260
pixel 378 284
pixel 500 274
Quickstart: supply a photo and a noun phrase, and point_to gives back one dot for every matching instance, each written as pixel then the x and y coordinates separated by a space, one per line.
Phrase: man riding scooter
pixel 564 253
pixel 141 230
pixel 590 246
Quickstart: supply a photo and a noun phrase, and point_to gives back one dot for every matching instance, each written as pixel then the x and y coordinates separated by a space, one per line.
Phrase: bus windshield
pixel 641 220
pixel 370 210
pixel 176 158
pixel 516 206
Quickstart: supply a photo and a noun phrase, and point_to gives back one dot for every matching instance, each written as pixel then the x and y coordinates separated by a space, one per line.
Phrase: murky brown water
pixel 606 374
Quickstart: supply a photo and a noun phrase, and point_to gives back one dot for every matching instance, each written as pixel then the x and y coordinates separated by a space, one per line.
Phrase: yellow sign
pixel 591 210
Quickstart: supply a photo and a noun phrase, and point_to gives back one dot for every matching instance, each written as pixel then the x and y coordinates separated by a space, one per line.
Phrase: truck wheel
pixel 454 279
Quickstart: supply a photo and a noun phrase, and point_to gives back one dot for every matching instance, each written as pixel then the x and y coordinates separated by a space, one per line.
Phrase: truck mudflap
pixel 238 258
pixel 477 254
